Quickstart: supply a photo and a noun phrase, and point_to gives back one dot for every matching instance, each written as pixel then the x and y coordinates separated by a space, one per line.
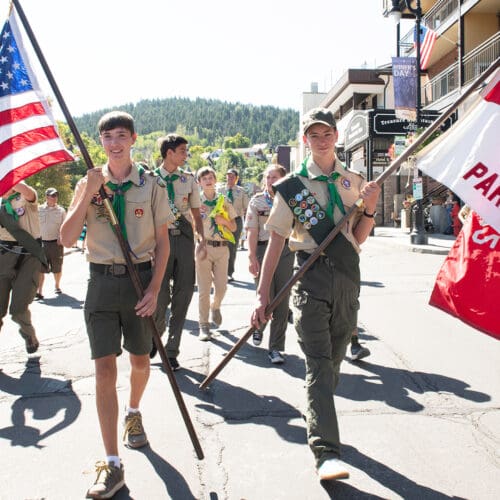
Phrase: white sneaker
pixel 205 333
pixel 276 357
pixel 333 468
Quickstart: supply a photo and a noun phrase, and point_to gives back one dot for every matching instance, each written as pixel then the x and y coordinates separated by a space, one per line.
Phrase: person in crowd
pixel 179 280
pixel 113 311
pixel 21 258
pixel 239 198
pixel 219 224
pixel 257 236
pixel 51 218
pixel 307 204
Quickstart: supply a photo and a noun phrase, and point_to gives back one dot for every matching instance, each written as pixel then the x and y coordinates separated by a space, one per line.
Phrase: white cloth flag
pixel 467 157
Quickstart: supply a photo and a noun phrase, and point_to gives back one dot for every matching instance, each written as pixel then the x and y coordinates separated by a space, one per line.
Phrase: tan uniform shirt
pixel 28 220
pixel 258 212
pixel 51 219
pixel 240 199
pixel 187 192
pixel 281 218
pixel 146 207
pixel 209 226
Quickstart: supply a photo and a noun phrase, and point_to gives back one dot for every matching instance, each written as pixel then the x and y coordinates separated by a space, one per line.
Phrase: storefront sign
pixel 385 122
pixel 357 131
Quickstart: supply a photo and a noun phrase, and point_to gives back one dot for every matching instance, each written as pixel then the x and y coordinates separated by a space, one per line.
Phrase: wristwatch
pixel 370 216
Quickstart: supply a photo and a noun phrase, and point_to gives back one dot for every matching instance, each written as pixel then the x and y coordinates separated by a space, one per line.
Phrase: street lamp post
pixel 418 235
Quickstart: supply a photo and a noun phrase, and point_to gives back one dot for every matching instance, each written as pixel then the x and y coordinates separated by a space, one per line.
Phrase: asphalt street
pixel 419 418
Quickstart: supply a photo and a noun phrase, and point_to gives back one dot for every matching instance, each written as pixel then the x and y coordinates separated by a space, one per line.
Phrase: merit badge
pixel 310 200
pixel 138 212
pixel 313 221
pixel 305 192
pixel 346 183
pixel 307 225
pixel 302 218
pixel 303 205
pixel 20 211
pixel 297 210
pixel 298 197
pixel 315 207
pixel 292 202
pixel 320 215
pixel 308 213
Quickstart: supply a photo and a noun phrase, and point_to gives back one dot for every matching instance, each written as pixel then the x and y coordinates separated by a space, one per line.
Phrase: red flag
pixel 467 284
pixel 29 141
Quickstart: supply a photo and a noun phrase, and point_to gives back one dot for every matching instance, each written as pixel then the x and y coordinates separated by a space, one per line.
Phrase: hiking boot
pixel 257 337
pixel 358 351
pixel 332 468
pixel 216 317
pixel 32 344
pixel 134 435
pixel 109 480
pixel 205 333
pixel 276 357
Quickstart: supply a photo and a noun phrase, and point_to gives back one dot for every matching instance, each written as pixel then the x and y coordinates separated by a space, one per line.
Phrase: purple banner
pixel 404 71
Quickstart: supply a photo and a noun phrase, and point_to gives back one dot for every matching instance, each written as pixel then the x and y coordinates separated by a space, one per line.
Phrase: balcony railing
pixel 474 63
pixel 434 18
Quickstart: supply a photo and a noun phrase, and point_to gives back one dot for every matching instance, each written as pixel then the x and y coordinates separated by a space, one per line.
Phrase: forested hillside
pixel 210 120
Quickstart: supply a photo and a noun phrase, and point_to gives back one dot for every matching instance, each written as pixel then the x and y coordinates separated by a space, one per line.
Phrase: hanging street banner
pixel 405 73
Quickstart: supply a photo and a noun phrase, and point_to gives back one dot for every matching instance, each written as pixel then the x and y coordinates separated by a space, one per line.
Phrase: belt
pixel 215 243
pixel 305 255
pixel 174 232
pixel 49 241
pixel 117 269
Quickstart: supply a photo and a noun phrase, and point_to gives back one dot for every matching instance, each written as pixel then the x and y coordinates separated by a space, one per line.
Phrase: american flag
pixel 427 40
pixel 29 141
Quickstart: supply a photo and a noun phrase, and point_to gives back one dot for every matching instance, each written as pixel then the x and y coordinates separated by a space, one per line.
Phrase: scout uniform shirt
pixel 51 219
pixel 281 218
pixel 27 212
pixel 258 212
pixel 187 193
pixel 240 199
pixel 209 227
pixel 146 207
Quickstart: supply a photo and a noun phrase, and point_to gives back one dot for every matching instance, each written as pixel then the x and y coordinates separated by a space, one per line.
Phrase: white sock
pixel 132 410
pixel 113 460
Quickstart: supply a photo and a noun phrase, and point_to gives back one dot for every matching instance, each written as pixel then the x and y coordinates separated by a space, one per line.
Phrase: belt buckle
pixel 175 232
pixel 17 249
pixel 118 269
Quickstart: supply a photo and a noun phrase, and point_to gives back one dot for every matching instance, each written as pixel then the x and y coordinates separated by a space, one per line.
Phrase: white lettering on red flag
pixel 29 141
pixel 467 284
pixel 467 157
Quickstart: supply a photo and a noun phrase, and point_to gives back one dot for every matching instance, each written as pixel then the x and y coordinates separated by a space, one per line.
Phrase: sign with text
pixel 404 70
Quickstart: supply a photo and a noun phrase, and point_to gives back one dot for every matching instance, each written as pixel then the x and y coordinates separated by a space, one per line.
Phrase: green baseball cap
pixel 318 115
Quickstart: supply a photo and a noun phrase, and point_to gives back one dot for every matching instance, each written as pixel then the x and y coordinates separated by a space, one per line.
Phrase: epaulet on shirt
pixel 356 172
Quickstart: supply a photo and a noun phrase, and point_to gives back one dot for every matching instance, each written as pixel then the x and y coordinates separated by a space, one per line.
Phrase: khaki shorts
pixel 109 315
pixel 54 254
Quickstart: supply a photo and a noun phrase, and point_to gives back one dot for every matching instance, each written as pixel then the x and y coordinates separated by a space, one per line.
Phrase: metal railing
pixel 474 63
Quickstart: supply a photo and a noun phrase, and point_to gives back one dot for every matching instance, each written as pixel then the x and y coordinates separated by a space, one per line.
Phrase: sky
pixel 106 53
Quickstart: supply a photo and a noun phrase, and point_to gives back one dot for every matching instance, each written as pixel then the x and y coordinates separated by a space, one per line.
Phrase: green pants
pixel 325 310
pixel 19 277
pixel 283 273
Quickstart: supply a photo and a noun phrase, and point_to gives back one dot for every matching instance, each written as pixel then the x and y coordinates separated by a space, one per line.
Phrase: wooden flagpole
pixel 116 226
pixel 320 248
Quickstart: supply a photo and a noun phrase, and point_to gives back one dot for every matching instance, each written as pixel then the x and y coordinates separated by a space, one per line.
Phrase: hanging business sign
pixel 357 131
pixel 385 122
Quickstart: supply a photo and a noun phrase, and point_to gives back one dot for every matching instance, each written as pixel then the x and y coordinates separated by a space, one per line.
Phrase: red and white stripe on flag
pixel 467 157
pixel 29 141
pixel 467 284
pixel 427 41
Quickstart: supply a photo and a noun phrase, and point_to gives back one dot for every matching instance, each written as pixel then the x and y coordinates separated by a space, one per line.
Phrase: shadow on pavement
pixel 175 484
pixel 375 284
pixel 392 386
pixel 237 405
pixel 42 398
pixel 387 477
pixel 63 300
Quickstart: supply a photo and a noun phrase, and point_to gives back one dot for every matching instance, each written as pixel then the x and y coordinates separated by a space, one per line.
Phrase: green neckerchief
pixel 119 191
pixel 230 195
pixel 335 198
pixel 8 205
pixel 169 179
